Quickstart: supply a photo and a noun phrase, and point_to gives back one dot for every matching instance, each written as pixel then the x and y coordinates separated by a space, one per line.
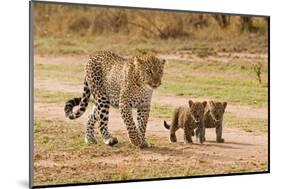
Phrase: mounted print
pixel 121 94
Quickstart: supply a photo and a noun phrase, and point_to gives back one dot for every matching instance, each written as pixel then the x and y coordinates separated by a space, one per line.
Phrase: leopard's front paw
pixel 111 141
pixel 145 145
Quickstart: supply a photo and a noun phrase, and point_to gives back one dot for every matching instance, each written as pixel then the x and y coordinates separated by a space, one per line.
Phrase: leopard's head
pixel 217 110
pixel 197 110
pixel 151 69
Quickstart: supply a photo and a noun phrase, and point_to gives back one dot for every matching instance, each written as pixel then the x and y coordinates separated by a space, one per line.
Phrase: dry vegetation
pixel 58 20
pixel 209 57
pixel 78 29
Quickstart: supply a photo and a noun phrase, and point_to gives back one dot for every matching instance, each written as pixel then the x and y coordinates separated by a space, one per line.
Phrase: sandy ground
pixel 238 143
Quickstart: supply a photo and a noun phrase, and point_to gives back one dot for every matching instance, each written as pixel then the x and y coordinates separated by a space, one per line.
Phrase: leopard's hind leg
pixel 103 117
pixel 89 134
pixel 98 91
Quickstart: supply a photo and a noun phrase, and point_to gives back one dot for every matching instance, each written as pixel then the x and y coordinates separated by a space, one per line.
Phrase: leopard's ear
pixel 204 103
pixel 224 104
pixel 212 104
pixel 190 102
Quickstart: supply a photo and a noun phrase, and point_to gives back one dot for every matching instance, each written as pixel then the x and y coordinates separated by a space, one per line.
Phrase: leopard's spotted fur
pixel 121 83
pixel 187 118
pixel 213 118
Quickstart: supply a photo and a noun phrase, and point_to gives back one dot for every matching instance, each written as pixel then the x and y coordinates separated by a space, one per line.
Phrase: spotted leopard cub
pixel 188 118
pixel 213 118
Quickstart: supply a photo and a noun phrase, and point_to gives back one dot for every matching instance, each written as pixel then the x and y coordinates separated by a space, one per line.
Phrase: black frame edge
pixel 268 91
pixel 31 99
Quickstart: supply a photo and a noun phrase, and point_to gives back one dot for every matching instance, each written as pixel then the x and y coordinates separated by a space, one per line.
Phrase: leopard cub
pixel 213 118
pixel 188 118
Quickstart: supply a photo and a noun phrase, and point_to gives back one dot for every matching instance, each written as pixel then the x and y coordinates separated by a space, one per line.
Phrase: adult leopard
pixel 123 83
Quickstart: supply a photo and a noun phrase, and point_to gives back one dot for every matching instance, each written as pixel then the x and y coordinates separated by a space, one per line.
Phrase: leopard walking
pixel 124 83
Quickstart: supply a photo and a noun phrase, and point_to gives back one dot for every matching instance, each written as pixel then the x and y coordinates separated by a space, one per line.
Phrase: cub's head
pixel 217 110
pixel 151 69
pixel 197 110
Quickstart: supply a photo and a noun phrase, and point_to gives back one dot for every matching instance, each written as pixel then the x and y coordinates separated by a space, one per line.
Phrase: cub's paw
pixel 200 140
pixel 188 142
pixel 111 141
pixel 173 138
pixel 220 140
pixel 192 133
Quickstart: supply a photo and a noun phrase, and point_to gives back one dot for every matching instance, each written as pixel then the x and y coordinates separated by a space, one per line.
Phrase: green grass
pixel 70 73
pixel 47 135
pixel 124 44
pixel 160 111
pixel 188 79
pixel 239 66
pixel 247 124
pixel 59 67
pixel 242 88
pixel 87 45
pixel 47 96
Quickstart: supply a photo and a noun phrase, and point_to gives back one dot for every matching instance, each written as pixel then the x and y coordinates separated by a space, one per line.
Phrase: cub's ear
pixel 212 104
pixel 190 102
pixel 204 103
pixel 224 104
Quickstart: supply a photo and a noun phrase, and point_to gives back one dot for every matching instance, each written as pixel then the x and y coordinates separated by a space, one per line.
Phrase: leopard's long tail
pixel 81 101
pixel 166 125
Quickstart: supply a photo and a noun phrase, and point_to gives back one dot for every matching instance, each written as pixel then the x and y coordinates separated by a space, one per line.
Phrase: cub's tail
pixel 166 125
pixel 81 101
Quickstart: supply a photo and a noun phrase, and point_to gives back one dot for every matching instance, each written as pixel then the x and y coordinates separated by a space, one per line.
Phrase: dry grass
pixel 62 29
pixel 65 158
pixel 57 20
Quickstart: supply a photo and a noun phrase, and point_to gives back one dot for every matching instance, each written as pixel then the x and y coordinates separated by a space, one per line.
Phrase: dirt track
pixel 239 144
